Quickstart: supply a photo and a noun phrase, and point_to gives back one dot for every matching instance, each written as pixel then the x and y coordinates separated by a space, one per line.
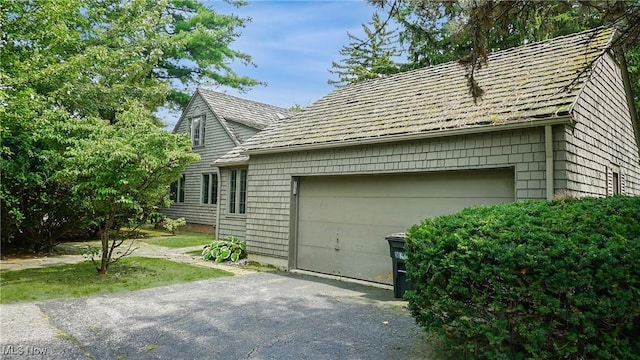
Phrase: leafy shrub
pixel 531 280
pixel 172 225
pixel 229 249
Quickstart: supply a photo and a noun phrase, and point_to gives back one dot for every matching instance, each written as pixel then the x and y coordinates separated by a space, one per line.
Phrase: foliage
pixel 89 56
pixel 633 64
pixel 36 210
pixel 72 68
pixel 440 31
pixel 76 280
pixel 172 225
pixel 369 58
pixel 229 249
pixel 531 280
pixel 122 170
pixel 296 108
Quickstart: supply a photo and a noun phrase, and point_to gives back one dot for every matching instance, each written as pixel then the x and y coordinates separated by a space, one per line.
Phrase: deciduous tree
pixel 121 171
pixel 65 63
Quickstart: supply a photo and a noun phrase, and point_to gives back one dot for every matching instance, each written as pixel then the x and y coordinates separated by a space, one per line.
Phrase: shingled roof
pixel 523 84
pixel 231 109
pixel 235 156
pixel 246 112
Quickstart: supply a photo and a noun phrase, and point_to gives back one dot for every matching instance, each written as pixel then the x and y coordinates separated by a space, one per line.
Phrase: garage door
pixel 342 221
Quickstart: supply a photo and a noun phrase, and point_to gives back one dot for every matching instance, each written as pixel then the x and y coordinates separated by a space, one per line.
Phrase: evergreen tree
pixel 439 31
pixel 367 58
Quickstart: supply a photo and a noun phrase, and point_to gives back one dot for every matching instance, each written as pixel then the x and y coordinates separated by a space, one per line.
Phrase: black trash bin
pixel 398 254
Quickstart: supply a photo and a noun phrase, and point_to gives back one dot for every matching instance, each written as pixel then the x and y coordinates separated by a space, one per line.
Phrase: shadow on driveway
pixel 265 315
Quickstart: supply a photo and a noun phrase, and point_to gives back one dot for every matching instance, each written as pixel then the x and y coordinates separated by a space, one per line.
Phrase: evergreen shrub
pixel 531 280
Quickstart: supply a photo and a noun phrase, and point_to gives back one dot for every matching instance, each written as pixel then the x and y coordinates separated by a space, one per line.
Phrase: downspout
pixel 548 149
pixel 218 202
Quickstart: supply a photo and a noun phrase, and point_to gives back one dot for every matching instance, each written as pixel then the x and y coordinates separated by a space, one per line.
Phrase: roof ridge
pixel 219 93
pixel 520 48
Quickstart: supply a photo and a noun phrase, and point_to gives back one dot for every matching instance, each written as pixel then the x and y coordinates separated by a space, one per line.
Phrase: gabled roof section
pixel 234 157
pixel 249 113
pixel 246 112
pixel 534 82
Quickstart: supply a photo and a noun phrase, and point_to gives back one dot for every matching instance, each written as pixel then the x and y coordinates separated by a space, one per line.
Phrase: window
pixel 238 191
pixel 197 131
pixel 616 181
pixel 209 188
pixel 176 190
pixel 242 195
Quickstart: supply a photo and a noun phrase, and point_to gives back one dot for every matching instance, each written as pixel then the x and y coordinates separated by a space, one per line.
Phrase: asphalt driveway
pixel 264 315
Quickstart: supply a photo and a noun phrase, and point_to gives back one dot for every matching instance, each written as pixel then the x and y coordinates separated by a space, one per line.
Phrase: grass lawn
pixel 180 240
pixel 77 280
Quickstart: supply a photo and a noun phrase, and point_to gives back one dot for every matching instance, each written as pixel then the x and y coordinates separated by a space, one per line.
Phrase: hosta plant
pixel 229 249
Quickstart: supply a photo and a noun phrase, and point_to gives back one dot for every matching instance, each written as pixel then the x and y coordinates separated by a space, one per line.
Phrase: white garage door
pixel 343 220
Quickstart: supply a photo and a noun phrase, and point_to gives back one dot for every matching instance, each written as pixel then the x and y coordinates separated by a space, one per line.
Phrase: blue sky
pixel 293 44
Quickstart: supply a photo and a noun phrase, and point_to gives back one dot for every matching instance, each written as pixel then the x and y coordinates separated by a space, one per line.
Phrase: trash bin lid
pixel 400 236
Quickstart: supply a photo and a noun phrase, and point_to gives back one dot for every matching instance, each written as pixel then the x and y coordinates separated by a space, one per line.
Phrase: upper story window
pixel 209 188
pixel 238 191
pixel 197 130
pixel 176 190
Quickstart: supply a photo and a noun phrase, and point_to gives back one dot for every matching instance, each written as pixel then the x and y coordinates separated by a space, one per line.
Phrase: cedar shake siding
pixel 602 139
pixel 228 122
pixel 230 224
pixel 270 176
pixel 216 143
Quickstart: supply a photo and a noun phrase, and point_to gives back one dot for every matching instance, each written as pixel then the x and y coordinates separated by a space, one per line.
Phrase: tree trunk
pixel 104 238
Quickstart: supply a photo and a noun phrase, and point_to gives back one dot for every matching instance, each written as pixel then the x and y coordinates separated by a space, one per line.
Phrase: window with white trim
pixel 176 190
pixel 238 191
pixel 197 130
pixel 209 193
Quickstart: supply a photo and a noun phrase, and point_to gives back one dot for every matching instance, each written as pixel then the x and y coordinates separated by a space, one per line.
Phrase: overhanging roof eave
pixel 514 125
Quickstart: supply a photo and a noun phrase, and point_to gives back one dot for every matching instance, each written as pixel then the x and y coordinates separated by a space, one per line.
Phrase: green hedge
pixel 531 280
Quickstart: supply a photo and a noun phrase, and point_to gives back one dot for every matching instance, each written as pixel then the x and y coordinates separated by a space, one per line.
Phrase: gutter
pixel 230 164
pixel 560 120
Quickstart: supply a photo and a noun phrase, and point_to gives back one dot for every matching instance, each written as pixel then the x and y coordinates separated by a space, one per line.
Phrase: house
pixel 216 123
pixel 325 186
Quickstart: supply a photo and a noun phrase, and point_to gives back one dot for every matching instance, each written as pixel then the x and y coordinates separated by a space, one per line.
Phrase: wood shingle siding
pixel 231 224
pixel 270 176
pixel 602 138
pixel 229 121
